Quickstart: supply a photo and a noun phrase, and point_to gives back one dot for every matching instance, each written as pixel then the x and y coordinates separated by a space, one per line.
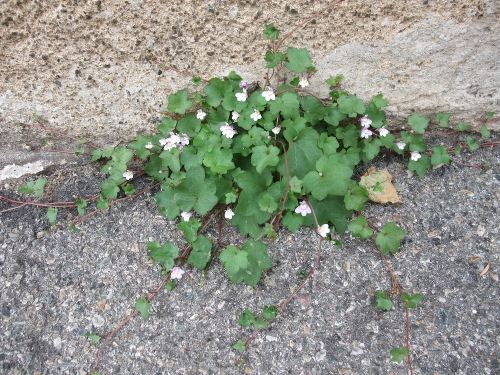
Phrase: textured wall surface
pixel 82 65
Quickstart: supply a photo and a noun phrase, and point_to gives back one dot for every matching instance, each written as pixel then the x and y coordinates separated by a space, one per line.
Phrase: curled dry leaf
pixel 483 272
pixel 384 178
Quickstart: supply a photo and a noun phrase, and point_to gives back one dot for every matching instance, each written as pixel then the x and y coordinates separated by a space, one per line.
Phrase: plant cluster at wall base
pixel 265 157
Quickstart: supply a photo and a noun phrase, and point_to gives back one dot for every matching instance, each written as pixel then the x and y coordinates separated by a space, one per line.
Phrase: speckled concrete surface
pixel 59 286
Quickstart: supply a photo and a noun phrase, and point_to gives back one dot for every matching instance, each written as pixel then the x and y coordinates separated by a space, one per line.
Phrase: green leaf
pixel 356 198
pixel 287 104
pixel 165 254
pixel 52 215
pixel 463 126
pixel 239 346
pixel 189 125
pixel 398 354
pixel 128 189
pixel 142 305
pixel 33 186
pixel 293 221
pixel 247 225
pixel 351 105
pixel 179 102
pixel 94 338
pixel 328 178
pixel 190 229
pixel 329 145
pixel 298 59
pixel 215 91
pixel 379 102
pixel 196 80
pixel 234 259
pixel 302 154
pixel 139 146
pixel 383 303
pixel 201 253
pixel 418 123
pixel 389 238
pixel 270 312
pixel 166 126
pixel 270 32
pixel 246 319
pixel 109 189
pixel 484 131
pixel 80 205
pixel 73 228
pixel 440 155
pixel 378 187
pixel 490 115
pixel 171 284
pixel 421 165
pixel 267 203
pixel 219 160
pixel 330 209
pixel 371 148
pixel 260 323
pixel 334 81
pixel 273 59
pixel 443 118
pixel 472 142
pixel 263 156
pixel 411 301
pixel 360 228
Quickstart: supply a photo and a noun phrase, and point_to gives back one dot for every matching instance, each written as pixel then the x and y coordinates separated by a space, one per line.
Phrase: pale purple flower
pixel 228 131
pixel 323 230
pixel 276 130
pixel 255 115
pixel 201 114
pixel 365 121
pixel 383 131
pixel 128 174
pixel 303 82
pixel 242 96
pixel 184 140
pixel 235 116
pixel 243 84
pixel 176 273
pixel 366 133
pixel 401 145
pixel 174 138
pixel 303 208
pixel 268 94
pixel 163 141
pixel 169 145
pixel 228 214
pixel 186 215
pixel 415 155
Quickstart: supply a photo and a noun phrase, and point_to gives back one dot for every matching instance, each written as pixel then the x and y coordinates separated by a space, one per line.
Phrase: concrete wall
pixel 82 65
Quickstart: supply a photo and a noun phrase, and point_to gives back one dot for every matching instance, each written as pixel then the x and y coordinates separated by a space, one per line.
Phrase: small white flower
pixel 256 115
pixel 268 94
pixel 186 215
pixel 401 145
pixel 243 84
pixel 323 230
pixel 228 131
pixel 303 82
pixel 365 121
pixel 149 145
pixel 174 138
pixel 169 145
pixel 383 131
pixel 200 114
pixel 276 130
pixel 163 141
pixel 184 140
pixel 242 96
pixel 366 133
pixel 128 175
pixel 235 116
pixel 228 214
pixel 415 155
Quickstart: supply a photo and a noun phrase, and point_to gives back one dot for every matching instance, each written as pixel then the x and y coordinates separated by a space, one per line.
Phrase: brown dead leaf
pixel 384 178
pixel 483 272
pixel 304 299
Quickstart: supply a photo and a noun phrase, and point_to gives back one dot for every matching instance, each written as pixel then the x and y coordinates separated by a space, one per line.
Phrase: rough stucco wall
pixel 82 65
